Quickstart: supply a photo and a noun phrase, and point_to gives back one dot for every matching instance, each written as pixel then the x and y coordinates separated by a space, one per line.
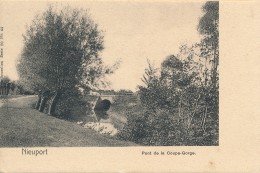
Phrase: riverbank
pixel 22 126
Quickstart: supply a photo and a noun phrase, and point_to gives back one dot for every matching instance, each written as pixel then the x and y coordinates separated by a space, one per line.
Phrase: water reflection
pixel 104 127
pixel 101 115
pixel 102 122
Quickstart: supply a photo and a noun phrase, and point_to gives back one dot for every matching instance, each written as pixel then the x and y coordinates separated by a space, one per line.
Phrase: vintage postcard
pixel 129 86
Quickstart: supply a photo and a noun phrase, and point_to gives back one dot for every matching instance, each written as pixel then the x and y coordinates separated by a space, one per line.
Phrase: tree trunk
pixel 43 103
pixel 54 102
pixel 204 120
pixel 214 73
pixel 215 62
pixel 37 106
pixel 44 100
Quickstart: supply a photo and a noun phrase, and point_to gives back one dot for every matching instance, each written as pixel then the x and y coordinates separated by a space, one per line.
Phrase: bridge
pixel 101 101
pixel 111 98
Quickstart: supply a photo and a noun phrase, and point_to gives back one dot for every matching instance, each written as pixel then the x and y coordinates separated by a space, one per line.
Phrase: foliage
pixel 177 110
pixel 123 91
pixel 61 53
pixel 71 105
pixel 5 80
pixel 181 102
pixel 209 46
pixel 9 87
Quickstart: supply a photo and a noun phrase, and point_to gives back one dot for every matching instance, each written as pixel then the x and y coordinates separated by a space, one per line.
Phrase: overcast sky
pixel 133 32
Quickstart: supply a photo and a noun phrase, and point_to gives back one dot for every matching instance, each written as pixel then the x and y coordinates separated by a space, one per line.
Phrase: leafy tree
pixel 175 107
pixel 61 52
pixel 181 103
pixel 5 80
pixel 124 91
pixel 209 28
pixel 150 74
pixel 5 85
pixel 209 50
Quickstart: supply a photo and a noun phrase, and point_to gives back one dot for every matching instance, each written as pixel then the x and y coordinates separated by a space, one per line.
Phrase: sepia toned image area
pixel 109 74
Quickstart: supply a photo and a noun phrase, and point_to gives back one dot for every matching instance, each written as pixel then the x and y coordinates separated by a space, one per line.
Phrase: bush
pixel 181 110
pixel 152 129
pixel 161 128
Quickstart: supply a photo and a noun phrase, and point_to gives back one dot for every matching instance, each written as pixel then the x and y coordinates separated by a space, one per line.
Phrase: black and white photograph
pixel 110 74
pixel 129 86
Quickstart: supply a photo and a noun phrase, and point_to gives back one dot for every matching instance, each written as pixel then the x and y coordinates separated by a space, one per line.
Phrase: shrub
pixel 161 128
pixel 181 110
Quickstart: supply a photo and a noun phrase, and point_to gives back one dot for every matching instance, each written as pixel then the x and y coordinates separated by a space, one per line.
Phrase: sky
pixel 133 32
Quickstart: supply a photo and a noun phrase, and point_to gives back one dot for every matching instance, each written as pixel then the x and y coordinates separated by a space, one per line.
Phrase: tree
pixel 5 80
pixel 181 103
pixel 209 28
pixel 148 93
pixel 150 74
pixel 61 52
pixel 5 85
pixel 209 50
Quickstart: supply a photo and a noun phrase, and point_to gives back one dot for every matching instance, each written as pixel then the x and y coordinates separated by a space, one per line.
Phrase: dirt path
pixel 11 101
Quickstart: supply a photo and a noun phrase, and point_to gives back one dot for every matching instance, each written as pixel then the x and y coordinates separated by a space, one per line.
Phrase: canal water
pixel 104 118
pixel 102 123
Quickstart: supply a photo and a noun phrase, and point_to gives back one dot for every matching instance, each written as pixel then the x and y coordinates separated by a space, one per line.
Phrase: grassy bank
pixel 22 126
